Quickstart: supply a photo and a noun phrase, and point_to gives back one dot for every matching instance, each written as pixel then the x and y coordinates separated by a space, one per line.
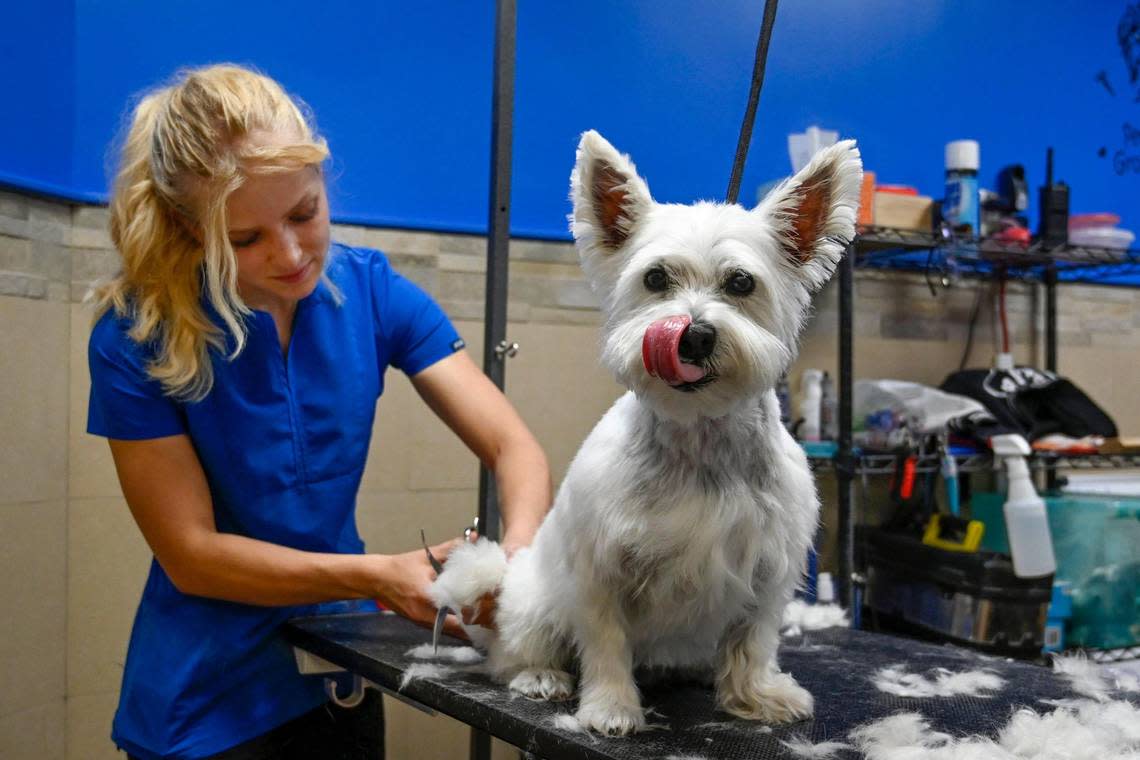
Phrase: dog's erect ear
pixel 609 198
pixel 814 212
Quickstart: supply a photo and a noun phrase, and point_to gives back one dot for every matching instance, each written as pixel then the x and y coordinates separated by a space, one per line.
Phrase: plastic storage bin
pixel 1097 543
pixel 971 598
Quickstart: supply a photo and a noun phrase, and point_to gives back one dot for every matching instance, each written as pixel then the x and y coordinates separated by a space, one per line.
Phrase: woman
pixel 235 364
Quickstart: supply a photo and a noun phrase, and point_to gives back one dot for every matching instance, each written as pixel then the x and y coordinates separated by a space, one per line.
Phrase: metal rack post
pixel 844 459
pixel 498 234
pixel 498 244
pixel 1051 346
pixel 1051 318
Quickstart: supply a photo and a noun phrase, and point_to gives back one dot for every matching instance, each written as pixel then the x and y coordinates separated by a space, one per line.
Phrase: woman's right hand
pixel 404 586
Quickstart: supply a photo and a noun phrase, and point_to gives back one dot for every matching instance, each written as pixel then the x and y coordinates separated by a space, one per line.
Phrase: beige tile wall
pixel 33 525
pixel 73 564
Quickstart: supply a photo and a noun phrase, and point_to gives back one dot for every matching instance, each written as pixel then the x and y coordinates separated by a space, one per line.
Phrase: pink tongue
pixel 659 351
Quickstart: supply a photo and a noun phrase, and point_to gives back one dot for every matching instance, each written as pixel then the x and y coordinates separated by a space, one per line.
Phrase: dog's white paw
pixel 543 683
pixel 611 718
pixel 771 698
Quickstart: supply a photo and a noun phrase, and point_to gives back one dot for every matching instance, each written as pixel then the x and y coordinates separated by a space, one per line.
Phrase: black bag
pixel 1033 402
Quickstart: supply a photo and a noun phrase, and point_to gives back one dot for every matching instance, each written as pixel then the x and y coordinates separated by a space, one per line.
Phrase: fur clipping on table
pixel 1087 730
pixel 799 616
pixel 461 655
pixel 894 679
pixel 424 670
pixel 804 748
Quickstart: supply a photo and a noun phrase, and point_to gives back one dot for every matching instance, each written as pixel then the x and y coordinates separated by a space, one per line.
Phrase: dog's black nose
pixel 697 342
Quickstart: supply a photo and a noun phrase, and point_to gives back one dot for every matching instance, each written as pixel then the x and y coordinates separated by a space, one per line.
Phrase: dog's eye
pixel 740 284
pixel 656 280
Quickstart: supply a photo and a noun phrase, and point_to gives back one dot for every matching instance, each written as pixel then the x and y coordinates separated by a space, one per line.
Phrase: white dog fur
pixel 681 528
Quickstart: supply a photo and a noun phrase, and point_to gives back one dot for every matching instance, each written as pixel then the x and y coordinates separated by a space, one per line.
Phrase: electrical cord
pixel 1004 322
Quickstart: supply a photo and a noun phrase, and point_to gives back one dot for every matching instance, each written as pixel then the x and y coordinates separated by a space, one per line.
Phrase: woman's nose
pixel 287 250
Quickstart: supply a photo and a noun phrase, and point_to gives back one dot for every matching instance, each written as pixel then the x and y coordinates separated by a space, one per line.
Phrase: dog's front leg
pixel 609 701
pixel 749 682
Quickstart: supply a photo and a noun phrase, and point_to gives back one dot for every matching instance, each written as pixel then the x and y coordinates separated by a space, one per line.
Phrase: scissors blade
pixel 437 629
pixel 435 563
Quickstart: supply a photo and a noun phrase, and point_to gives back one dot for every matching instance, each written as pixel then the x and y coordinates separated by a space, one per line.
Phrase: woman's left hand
pixel 404 582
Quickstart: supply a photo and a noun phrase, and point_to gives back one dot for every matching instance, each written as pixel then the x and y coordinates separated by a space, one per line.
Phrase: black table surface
pixel 835 665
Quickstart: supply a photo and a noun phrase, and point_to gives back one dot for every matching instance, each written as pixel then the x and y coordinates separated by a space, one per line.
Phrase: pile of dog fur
pixel 1099 725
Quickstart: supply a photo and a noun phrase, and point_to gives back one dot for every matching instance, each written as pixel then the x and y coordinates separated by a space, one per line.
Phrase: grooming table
pixel 835 665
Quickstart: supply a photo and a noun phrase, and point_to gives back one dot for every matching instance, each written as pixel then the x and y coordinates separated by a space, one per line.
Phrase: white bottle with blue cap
pixel 960 208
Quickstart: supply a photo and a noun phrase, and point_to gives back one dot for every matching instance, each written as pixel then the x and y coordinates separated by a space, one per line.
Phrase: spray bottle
pixel 810 395
pixel 1030 542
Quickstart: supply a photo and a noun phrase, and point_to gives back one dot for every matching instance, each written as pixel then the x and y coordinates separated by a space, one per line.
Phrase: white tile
pixel 33 589
pixel 37 733
pixel 107 563
pixel 33 400
pixel 89 727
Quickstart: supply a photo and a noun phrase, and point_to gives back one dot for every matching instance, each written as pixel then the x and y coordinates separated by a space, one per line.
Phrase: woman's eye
pixel 656 280
pixel 244 242
pixel 740 284
pixel 307 214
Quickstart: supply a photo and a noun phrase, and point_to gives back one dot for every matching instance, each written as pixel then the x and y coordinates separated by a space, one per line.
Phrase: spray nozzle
pixel 1010 445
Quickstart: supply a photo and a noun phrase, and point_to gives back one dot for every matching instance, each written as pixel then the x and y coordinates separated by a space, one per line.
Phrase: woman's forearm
pixel 523 478
pixel 240 569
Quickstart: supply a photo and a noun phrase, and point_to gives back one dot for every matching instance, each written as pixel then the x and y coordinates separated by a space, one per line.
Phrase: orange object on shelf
pixel 1085 221
pixel 867 199
pixel 897 189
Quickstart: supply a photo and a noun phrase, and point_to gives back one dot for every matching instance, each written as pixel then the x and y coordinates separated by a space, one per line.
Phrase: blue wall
pixel 402 92
pixel 37 90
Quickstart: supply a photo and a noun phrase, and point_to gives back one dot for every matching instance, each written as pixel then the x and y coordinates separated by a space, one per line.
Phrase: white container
pixel 828 410
pixel 963 155
pixel 824 589
pixel 1026 522
pixel 803 145
pixel 1101 237
pixel 811 394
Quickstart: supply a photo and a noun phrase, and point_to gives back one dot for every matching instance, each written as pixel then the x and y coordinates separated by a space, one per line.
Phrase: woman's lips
pixel 295 277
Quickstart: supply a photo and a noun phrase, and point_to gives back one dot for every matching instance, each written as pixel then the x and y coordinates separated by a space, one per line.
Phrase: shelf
pixel 952 257
pixel 944 259
pixel 884 464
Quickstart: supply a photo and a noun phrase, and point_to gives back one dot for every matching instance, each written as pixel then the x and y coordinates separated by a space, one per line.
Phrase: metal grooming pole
pixel 758 67
pixel 495 346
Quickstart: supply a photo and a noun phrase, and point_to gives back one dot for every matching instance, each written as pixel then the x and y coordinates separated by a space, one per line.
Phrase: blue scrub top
pixel 283 442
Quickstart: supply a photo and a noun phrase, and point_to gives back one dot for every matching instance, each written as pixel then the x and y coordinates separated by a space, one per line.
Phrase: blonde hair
pixel 183 156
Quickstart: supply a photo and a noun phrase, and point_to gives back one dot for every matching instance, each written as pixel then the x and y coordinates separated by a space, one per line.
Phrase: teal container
pixel 1097 543
pixel 986 506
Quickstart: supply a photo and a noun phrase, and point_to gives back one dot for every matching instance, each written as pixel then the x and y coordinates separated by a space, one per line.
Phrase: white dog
pixel 681 528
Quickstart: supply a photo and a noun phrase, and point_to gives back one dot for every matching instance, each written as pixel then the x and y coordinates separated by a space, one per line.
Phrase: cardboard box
pixel 904 212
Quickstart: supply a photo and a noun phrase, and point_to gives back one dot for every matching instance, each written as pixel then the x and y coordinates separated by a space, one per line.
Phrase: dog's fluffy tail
pixel 471 570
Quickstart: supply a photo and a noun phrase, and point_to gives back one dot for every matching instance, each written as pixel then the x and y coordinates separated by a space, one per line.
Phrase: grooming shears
pixel 436 565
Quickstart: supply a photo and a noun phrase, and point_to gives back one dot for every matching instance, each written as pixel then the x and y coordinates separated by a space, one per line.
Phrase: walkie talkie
pixel 1053 226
